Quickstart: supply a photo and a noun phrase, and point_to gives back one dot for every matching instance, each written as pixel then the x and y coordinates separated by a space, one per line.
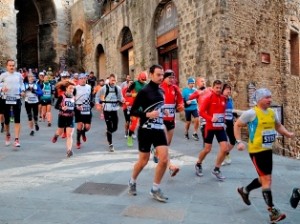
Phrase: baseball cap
pixel 168 73
pixel 190 80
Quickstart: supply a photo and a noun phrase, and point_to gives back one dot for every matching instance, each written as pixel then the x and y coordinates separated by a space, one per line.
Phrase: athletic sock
pixel 78 135
pixel 267 194
pixel 253 185
pixel 155 186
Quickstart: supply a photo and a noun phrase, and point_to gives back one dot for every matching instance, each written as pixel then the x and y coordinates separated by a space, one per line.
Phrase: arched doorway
pixel 101 62
pixel 166 32
pixel 36 23
pixel 127 52
pixel 76 52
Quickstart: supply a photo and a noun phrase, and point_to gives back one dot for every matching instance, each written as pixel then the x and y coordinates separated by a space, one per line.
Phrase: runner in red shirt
pixel 126 107
pixel 213 111
pixel 200 94
pixel 173 102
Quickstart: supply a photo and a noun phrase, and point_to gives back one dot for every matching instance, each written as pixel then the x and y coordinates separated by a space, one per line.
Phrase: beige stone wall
pixel 8 32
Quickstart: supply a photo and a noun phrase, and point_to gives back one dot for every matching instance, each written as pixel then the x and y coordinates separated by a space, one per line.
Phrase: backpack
pixel 107 91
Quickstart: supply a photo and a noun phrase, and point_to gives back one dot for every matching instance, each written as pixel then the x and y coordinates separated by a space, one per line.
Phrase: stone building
pixel 247 43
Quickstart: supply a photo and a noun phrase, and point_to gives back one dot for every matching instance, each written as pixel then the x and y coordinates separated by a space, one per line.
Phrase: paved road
pixel 40 186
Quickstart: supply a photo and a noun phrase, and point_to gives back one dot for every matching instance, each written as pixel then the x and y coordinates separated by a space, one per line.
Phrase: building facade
pixel 247 43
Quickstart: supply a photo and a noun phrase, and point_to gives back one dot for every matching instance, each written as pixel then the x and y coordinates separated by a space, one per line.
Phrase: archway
pixel 76 52
pixel 166 32
pixel 36 24
pixel 127 53
pixel 100 62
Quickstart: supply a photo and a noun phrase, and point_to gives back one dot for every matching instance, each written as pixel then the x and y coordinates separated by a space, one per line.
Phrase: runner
pixel 126 108
pixel 226 91
pixel 66 104
pixel 46 100
pixel 2 103
pixel 40 82
pixel 200 94
pixel 12 90
pixel 83 109
pixel 60 90
pixel 132 92
pixel 190 109
pixel 148 106
pixel 173 101
pixel 108 99
pixel 32 94
pixel 262 125
pixel 213 111
pixel 295 197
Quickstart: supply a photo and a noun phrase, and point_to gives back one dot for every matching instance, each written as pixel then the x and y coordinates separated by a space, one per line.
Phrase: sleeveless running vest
pixel 262 132
pixel 46 91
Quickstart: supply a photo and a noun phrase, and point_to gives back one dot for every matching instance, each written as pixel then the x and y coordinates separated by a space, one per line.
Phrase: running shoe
pixel 227 161
pixel 218 175
pixel 7 140
pixel 37 127
pixel 54 139
pixel 49 124
pixel 244 195
pixel 17 143
pixel 198 168
pixel 111 148
pixel 129 141
pixel 69 153
pixel 173 171
pixel 133 136
pixel 132 188
pixel 276 215
pixel 295 197
pixel 84 138
pixel 158 195
pixel 125 136
pixel 40 119
pixel 186 136
pixel 195 137
pixel 31 133
pixel 78 144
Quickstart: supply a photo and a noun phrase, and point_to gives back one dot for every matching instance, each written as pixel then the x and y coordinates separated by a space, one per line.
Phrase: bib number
pixel 12 100
pixel 268 137
pixel 86 110
pixel 220 120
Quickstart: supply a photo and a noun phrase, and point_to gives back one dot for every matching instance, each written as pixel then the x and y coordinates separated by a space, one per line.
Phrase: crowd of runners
pixel 149 105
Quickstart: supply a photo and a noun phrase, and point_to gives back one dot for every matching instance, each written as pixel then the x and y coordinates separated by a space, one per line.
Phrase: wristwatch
pixel 238 141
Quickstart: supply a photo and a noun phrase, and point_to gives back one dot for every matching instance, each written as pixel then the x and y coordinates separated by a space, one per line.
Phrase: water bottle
pixel 12 119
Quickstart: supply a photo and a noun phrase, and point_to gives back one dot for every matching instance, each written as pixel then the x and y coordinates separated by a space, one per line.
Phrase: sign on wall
pixel 168 19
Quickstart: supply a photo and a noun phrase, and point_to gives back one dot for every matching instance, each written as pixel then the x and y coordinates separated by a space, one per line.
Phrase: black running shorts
pixel 263 162
pixel 148 137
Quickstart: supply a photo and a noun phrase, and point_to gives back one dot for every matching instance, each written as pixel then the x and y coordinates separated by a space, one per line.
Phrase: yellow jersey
pixel 262 131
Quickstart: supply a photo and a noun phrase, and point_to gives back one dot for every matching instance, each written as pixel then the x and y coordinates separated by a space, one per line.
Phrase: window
pixel 108 5
pixel 294 56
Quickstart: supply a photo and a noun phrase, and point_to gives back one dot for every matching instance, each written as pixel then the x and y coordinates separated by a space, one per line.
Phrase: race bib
pixel 220 120
pixel 268 137
pixel 69 102
pixel 47 92
pixel 86 110
pixel 169 110
pixel 12 100
pixel 32 99
pixel 228 114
